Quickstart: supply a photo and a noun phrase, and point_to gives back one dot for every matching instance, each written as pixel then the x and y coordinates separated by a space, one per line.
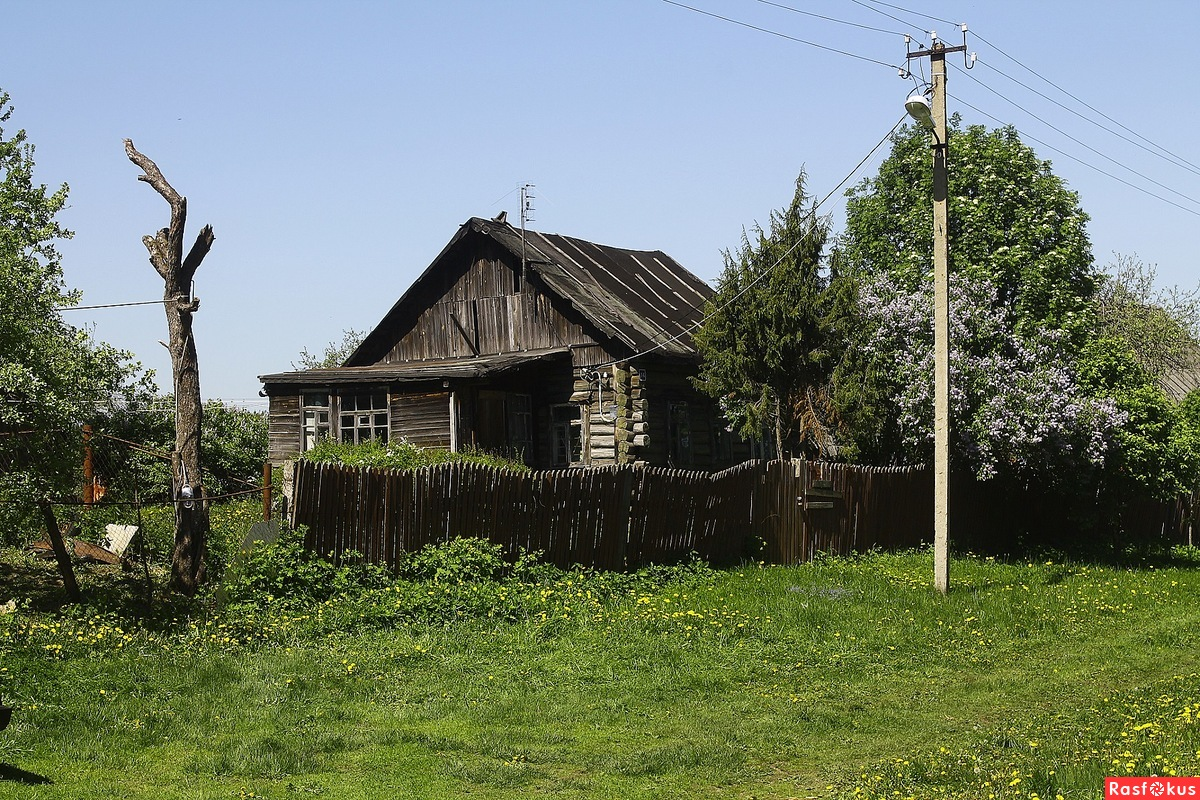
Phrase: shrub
pixel 467 560
pixel 286 572
pixel 401 454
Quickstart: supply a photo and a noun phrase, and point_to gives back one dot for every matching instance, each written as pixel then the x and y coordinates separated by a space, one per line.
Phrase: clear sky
pixel 336 147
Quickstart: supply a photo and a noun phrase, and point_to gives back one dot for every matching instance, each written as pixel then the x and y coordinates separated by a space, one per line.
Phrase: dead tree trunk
pixel 166 255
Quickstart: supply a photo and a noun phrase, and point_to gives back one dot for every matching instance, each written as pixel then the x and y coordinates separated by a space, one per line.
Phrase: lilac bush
pixel 1016 404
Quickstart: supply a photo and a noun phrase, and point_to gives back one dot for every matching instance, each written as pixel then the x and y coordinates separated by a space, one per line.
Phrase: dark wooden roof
pixel 413 371
pixel 641 299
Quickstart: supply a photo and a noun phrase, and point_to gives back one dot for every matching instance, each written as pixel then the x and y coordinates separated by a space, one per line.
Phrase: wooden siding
pixel 423 419
pixel 283 424
pixel 668 382
pixel 480 312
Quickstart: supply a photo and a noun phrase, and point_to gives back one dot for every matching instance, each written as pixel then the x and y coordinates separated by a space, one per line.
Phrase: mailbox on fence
pixel 820 495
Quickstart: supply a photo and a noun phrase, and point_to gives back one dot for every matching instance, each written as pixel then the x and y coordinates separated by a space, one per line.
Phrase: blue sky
pixel 335 148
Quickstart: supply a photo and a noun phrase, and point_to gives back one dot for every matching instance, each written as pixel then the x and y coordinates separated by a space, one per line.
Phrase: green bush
pixel 284 571
pixel 466 560
pixel 401 454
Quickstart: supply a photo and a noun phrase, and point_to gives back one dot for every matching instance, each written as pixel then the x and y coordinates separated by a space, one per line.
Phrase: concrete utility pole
pixel 941 308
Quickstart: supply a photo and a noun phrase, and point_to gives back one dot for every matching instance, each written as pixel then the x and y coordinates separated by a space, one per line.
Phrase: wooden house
pixel 546 347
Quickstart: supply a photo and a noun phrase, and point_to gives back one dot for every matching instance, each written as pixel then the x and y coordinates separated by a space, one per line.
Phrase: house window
pixel 679 435
pixel 520 423
pixel 315 416
pixel 566 430
pixel 364 417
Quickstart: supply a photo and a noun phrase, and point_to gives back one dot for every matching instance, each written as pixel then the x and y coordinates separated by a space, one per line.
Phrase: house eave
pixel 413 371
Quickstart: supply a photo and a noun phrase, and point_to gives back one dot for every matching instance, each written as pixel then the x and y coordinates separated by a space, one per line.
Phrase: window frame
pixel 372 423
pixel 568 430
pixel 310 408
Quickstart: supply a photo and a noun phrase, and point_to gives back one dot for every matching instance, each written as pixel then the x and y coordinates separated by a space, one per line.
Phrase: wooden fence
pixel 626 517
pixel 612 517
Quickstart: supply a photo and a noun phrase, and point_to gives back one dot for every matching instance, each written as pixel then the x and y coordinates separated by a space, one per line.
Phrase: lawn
pixel 844 678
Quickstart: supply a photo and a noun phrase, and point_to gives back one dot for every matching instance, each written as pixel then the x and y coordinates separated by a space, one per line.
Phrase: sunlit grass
pixel 843 678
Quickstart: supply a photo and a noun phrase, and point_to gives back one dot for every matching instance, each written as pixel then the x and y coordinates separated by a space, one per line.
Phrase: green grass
pixel 843 678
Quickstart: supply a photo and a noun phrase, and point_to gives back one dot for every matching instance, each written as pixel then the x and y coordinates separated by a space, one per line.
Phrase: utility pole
pixel 941 307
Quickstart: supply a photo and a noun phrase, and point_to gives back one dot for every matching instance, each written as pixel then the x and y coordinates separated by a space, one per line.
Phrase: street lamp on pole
pixel 932 117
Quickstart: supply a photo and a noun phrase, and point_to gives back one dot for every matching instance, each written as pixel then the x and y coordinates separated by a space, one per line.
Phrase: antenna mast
pixel 526 216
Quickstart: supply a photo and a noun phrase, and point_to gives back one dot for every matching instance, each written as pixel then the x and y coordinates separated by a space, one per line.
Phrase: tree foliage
pixel 53 375
pixel 1019 404
pixel 134 442
pixel 1159 326
pixel 1022 286
pixel 763 338
pixel 335 353
pixel 1012 221
pixel 1157 446
pixel 1055 366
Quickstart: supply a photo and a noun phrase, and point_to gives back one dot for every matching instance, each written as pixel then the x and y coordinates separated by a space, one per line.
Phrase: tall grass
pixel 464 676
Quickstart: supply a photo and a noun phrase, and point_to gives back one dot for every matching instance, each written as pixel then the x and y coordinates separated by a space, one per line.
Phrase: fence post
pixel 60 551
pixel 266 491
pixel 89 475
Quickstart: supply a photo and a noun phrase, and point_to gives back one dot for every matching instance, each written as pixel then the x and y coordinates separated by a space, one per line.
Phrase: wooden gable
pixel 474 301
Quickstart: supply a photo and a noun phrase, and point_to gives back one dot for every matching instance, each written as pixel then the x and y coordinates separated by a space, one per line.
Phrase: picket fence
pixel 612 518
pixel 626 517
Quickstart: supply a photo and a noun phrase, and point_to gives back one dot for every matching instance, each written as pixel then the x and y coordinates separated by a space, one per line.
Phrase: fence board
pixel 625 517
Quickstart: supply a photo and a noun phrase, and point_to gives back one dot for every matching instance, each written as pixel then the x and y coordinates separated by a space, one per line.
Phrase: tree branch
pixel 178 202
pixel 204 242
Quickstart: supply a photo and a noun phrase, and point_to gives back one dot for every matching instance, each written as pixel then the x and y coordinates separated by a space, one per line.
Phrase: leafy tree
pixel 1157 446
pixel 53 375
pixel 1020 406
pixel 335 353
pixel 1022 270
pixel 1012 222
pixel 1159 326
pixel 1054 365
pixel 135 442
pixel 763 339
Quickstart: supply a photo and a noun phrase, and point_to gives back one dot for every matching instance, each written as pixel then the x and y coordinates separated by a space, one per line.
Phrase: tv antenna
pixel 526 217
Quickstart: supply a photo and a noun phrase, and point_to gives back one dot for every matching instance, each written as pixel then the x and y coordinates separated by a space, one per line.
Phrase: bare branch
pixel 178 202
pixel 204 242
pixel 158 257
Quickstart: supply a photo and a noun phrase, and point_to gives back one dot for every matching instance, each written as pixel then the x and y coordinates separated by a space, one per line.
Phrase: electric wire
pixel 116 305
pixel 1165 155
pixel 732 21
pixel 833 19
pixel 906 23
pixel 864 3
pixel 899 8
pixel 1076 159
pixel 1083 103
pixel 810 215
pixel 1084 145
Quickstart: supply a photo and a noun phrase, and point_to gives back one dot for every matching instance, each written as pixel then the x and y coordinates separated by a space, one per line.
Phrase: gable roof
pixel 642 299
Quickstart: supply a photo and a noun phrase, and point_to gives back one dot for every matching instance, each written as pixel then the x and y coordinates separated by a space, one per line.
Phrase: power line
pixel 1084 145
pixel 115 305
pixel 831 19
pixel 781 35
pixel 1081 102
pixel 900 8
pixel 1077 159
pixel 1165 154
